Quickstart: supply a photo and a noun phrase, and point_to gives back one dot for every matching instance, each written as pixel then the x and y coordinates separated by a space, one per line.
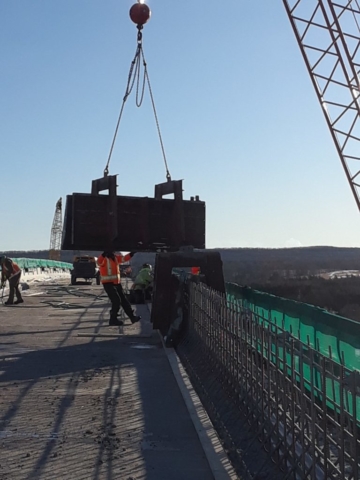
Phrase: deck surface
pixel 82 400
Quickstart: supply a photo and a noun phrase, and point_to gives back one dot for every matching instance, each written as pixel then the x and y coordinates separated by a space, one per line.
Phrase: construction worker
pixel 143 283
pixel 11 271
pixel 109 263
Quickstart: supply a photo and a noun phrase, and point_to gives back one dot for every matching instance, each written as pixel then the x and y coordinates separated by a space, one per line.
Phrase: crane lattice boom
pixel 56 233
pixel 328 33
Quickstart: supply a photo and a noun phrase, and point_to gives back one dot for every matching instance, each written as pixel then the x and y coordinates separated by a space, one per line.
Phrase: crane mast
pixel 328 33
pixel 56 233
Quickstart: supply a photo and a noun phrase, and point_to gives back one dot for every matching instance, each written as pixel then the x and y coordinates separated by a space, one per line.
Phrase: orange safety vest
pixel 15 266
pixel 109 268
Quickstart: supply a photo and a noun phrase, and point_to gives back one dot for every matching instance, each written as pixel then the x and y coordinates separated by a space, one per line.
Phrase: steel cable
pixel 135 77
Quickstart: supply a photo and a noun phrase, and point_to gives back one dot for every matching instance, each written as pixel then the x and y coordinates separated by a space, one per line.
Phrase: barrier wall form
pixel 301 404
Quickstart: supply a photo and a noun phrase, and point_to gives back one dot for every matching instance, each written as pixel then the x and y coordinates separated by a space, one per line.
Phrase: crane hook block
pixel 140 13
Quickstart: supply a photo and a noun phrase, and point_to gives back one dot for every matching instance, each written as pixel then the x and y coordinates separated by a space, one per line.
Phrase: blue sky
pixel 240 120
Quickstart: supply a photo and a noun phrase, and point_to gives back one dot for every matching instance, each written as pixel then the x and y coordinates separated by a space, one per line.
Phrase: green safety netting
pixel 41 263
pixel 333 336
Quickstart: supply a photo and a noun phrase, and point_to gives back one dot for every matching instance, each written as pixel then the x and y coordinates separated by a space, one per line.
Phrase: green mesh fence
pixel 333 336
pixel 32 263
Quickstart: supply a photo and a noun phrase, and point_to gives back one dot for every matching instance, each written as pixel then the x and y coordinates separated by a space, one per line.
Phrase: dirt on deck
pixel 82 400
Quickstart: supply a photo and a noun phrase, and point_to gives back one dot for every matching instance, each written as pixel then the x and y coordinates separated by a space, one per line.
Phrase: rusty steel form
pixel 245 367
pixel 165 290
pixel 328 33
pixel 114 222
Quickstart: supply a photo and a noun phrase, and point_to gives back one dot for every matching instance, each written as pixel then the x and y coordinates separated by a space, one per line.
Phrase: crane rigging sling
pixel 134 78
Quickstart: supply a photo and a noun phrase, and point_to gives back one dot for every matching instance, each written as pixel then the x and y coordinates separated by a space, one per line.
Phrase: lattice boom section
pixel 328 33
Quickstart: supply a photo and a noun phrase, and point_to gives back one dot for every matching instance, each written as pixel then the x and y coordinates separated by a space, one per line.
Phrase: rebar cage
pixel 245 367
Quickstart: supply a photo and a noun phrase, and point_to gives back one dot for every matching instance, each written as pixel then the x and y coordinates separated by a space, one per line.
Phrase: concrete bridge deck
pixel 82 400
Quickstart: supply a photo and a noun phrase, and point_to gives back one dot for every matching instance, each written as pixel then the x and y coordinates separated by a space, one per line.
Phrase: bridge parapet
pixel 304 406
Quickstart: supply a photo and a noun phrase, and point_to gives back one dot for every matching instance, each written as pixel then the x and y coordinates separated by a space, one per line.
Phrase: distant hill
pixel 286 272
pixel 247 265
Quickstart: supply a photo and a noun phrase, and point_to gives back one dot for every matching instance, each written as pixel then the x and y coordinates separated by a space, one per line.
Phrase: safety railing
pixel 248 370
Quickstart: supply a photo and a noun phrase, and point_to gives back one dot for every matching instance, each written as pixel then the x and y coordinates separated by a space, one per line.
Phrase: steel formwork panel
pixel 142 223
pixel 212 275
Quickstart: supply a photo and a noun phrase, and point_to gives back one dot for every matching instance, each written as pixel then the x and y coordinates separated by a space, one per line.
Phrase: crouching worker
pixel 109 268
pixel 143 283
pixel 11 271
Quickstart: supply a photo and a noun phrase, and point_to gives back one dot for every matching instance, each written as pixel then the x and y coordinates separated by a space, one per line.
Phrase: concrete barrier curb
pixel 218 460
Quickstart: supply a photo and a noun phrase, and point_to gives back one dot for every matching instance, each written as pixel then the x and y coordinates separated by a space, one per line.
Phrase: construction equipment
pixel 328 34
pixel 95 222
pixel 98 222
pixel 56 233
pixel 166 287
pixel 84 266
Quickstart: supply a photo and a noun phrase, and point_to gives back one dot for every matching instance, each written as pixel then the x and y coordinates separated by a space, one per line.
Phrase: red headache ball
pixel 140 13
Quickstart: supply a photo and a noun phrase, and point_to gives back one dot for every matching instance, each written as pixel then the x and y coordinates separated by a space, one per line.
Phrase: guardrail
pixel 302 405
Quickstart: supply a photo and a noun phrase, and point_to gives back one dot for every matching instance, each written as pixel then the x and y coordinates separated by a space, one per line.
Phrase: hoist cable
pixel 134 77
pixel 139 102
pixel 146 75
pixel 129 87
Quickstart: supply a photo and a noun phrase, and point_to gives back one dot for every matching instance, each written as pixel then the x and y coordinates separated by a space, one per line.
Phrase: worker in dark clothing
pixel 109 265
pixel 11 271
